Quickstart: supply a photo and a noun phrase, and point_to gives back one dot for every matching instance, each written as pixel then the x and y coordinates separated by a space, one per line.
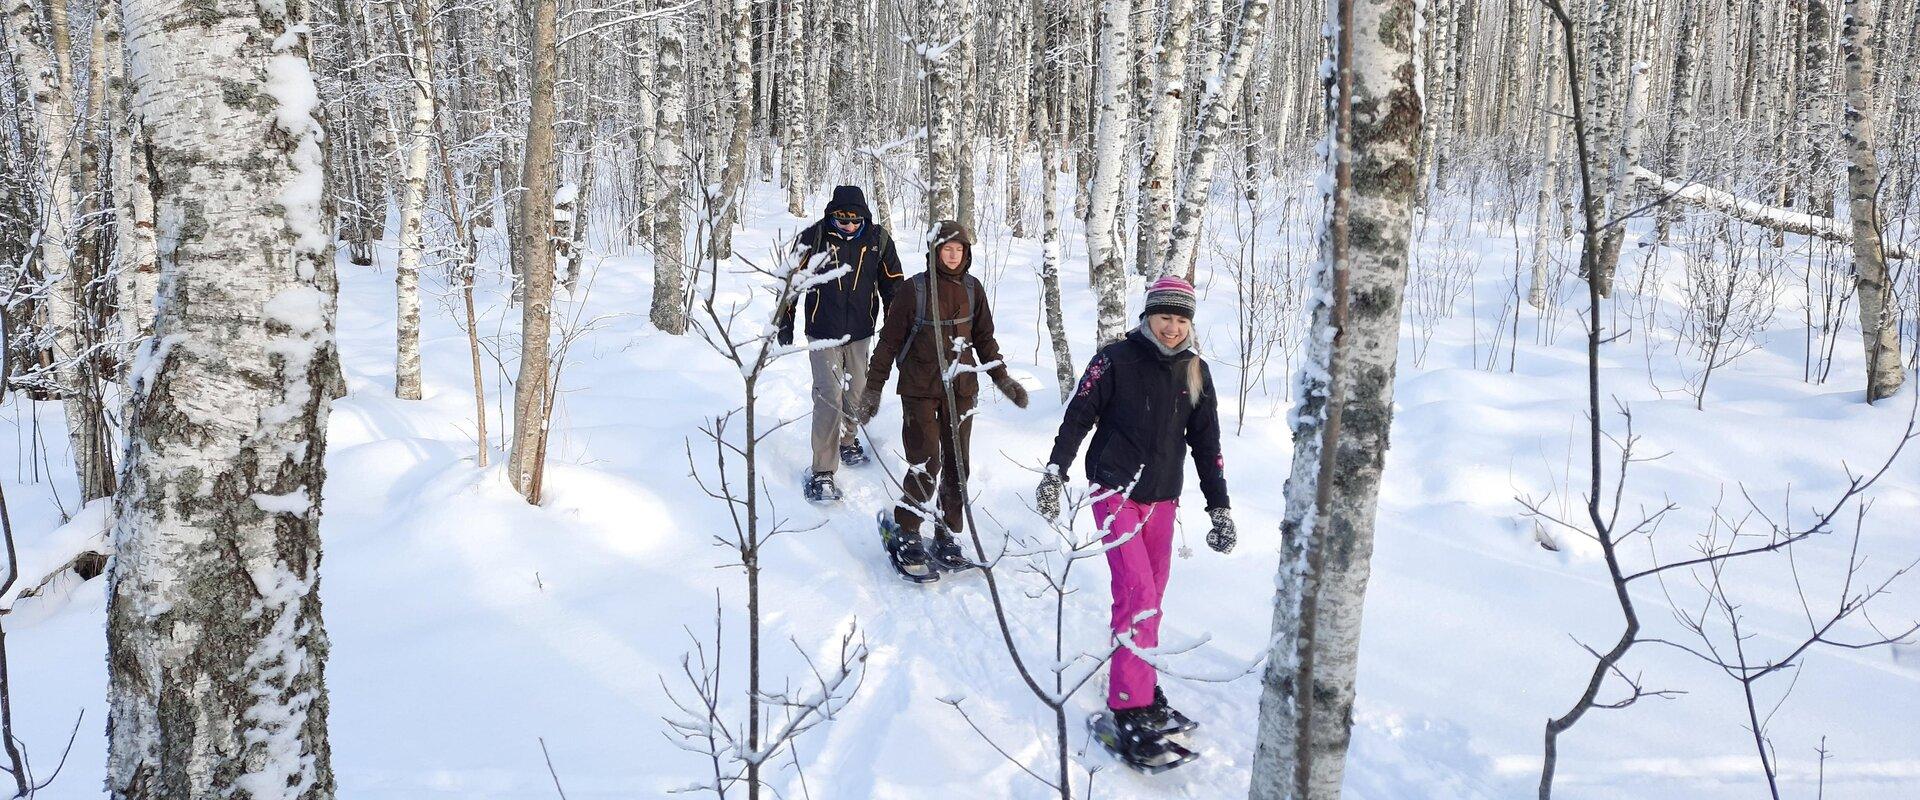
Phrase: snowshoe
pixel 852 455
pixel 906 551
pixel 1130 736
pixel 822 489
pixel 948 555
pixel 1168 719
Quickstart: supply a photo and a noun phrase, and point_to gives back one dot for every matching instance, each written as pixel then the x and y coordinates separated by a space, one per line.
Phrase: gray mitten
pixel 1012 389
pixel 1047 497
pixel 1221 538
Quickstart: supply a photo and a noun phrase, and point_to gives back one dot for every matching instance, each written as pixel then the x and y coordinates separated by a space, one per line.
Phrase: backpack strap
pixel 923 313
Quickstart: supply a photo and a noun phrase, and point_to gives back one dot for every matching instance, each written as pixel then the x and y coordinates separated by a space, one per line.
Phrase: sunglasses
pixel 849 220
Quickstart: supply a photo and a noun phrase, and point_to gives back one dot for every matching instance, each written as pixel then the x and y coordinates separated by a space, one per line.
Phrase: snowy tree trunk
pixel 943 133
pixel 741 21
pixel 538 175
pixel 1050 254
pixel 1540 290
pixel 1216 110
pixel 1345 404
pixel 136 272
pixel 43 57
pixel 1110 131
pixel 1621 184
pixel 1878 334
pixel 794 141
pixel 1163 140
pixel 216 649
pixel 668 312
pixel 1680 124
pixel 413 206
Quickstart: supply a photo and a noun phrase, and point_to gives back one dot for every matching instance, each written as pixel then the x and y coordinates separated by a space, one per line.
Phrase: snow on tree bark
pixel 794 144
pixel 1163 141
pixel 216 649
pixel 1880 338
pixel 740 20
pixel 1050 253
pixel 1345 405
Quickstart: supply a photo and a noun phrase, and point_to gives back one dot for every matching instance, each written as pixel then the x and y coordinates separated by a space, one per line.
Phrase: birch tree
pixel 538 175
pixel 668 311
pixel 1878 335
pixel 1110 127
pixel 740 47
pixel 413 206
pixel 1216 110
pixel 1345 404
pixel 216 649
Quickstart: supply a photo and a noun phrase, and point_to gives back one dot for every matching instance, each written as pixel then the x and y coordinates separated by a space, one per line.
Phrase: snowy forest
pixel 427 399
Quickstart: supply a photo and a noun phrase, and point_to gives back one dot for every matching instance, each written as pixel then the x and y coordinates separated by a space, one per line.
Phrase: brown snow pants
pixel 928 435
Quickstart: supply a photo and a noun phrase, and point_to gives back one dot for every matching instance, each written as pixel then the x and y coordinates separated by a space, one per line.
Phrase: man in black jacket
pixel 843 309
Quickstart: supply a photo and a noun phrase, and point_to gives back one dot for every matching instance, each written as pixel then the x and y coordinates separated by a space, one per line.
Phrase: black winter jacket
pixel 850 304
pixel 1146 421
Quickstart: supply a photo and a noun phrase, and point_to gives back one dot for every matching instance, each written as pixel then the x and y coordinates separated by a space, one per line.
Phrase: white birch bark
pixel 136 274
pixel 668 312
pixel 1163 140
pixel 1216 110
pixel 740 20
pixel 1345 405
pixel 943 133
pixel 794 144
pixel 538 176
pixel 1050 254
pixel 1540 290
pixel 413 206
pixel 1110 129
pixel 1880 338
pixel 1620 181
pixel 216 649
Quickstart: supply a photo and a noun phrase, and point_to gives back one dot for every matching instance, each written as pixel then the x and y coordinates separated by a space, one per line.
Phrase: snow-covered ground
pixel 466 626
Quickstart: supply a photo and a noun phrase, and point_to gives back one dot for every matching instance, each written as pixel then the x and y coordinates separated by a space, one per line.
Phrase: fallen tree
pixel 1761 214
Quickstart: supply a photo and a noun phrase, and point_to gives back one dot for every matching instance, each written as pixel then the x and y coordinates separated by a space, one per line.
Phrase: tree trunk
pixel 1216 109
pixel 1346 404
pixel 1163 138
pixel 1050 254
pixel 537 176
pixel 794 140
pixel 668 311
pixel 1878 334
pixel 215 646
pixel 1110 129
pixel 735 174
pixel 413 206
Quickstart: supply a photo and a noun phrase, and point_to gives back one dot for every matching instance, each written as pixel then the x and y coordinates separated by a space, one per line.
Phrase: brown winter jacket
pixel 919 370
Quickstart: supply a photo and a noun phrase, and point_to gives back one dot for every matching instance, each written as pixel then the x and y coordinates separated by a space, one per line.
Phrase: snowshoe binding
pixel 821 488
pixel 852 455
pixel 948 555
pixel 1130 735
pixel 1168 719
pixel 906 551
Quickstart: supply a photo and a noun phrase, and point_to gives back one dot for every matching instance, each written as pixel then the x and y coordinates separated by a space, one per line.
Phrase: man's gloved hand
pixel 1012 389
pixel 1047 497
pixel 864 408
pixel 1221 538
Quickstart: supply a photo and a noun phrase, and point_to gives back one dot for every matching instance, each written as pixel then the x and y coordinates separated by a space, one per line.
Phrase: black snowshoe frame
pixel 1153 759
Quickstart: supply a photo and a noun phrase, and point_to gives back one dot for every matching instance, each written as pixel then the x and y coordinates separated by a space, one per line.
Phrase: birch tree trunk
pixel 538 175
pixel 794 141
pixel 1050 253
pixel 43 55
pixel 1539 291
pixel 1163 142
pixel 215 645
pixel 1216 110
pixel 943 127
pixel 413 206
pixel 741 19
pixel 1878 335
pixel 136 274
pixel 1110 131
pixel 668 312
pixel 1346 404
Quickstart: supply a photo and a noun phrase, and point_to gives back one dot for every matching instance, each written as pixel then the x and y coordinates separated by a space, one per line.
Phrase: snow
pixel 465 623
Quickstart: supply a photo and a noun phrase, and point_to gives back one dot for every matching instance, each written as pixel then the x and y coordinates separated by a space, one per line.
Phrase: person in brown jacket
pixel 940 340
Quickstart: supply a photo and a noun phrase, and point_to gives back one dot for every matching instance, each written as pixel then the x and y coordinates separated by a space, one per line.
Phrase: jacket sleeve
pixel 1203 437
pixel 985 346
pixel 804 246
pixel 887 344
pixel 891 275
pixel 1089 400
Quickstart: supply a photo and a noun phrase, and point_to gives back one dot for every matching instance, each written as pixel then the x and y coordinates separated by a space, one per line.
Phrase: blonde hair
pixel 1194 376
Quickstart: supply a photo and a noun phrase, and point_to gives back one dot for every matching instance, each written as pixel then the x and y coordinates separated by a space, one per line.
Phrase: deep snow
pixel 466 624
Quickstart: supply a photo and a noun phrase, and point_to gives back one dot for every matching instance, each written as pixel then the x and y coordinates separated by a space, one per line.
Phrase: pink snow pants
pixel 1139 568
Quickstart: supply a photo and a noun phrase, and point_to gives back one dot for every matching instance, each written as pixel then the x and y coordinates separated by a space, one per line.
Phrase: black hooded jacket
pixel 1147 419
pixel 850 304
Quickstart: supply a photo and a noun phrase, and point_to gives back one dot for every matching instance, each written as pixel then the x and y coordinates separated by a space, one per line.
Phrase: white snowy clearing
pixel 466 625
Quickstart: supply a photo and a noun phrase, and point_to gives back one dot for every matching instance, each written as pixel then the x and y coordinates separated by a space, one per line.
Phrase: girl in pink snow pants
pixel 1149 400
